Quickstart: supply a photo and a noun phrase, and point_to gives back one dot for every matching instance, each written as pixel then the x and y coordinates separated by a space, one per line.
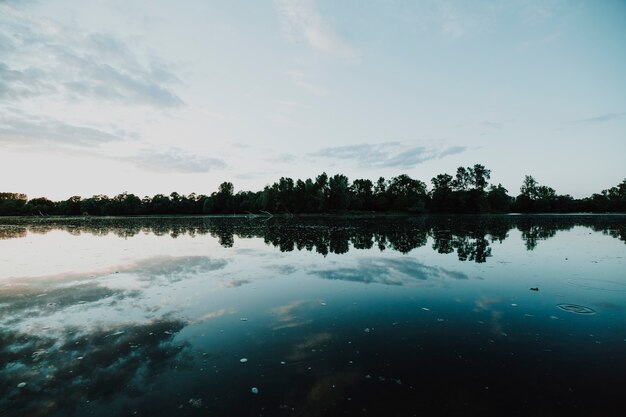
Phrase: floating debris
pixel 117 333
pixel 513 305
pixel 243 360
pixel 576 309
pixel 283 362
pixel 425 308
pixel 80 358
pixel 244 319
pixel 440 320
pixel 534 288
pixel 254 390
pixel 21 385
pixel 367 330
pixel 195 402
pixel 323 303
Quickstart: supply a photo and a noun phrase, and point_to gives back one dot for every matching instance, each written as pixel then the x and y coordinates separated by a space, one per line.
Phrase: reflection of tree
pixel 469 236
pixel 534 232
pixel 74 367
pixel 12 232
pixel 618 231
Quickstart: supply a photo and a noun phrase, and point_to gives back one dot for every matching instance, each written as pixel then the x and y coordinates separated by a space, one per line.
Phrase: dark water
pixel 485 316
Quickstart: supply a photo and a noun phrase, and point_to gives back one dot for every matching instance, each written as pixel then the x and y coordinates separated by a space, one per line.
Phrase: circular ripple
pixel 576 309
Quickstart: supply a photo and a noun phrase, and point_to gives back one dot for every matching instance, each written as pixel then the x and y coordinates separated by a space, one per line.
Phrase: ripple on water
pixel 576 309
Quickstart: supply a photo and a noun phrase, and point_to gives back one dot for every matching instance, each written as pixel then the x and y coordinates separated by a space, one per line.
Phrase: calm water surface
pixel 498 315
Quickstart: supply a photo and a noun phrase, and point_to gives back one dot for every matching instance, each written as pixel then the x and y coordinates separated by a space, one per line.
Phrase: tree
pixel 338 192
pixel 362 194
pixel 462 180
pixel 286 194
pixel 407 194
pixel 12 204
pixel 41 206
pixel 529 187
pixel 223 198
pixel 479 176
pixel 442 193
pixel 498 199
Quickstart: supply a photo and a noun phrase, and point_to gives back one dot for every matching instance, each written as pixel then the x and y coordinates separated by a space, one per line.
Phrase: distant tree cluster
pixel 468 191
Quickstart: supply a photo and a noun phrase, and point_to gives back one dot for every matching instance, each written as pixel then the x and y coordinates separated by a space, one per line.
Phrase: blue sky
pixel 153 97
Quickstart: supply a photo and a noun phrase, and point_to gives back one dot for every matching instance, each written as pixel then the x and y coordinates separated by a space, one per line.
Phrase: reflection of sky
pixel 138 311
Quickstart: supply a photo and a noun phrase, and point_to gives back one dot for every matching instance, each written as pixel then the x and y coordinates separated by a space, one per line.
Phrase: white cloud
pixel 301 19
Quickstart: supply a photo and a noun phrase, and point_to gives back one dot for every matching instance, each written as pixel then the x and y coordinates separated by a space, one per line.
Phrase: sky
pixel 147 97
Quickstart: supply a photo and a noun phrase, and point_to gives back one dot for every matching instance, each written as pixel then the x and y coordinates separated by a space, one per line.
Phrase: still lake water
pixel 380 316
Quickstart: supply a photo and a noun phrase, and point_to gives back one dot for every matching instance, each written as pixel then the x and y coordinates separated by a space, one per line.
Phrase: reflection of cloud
pixel 75 367
pixel 487 303
pixel 215 314
pixel 158 267
pixel 283 269
pixel 18 302
pixel 288 315
pixel 389 272
pixel 303 349
pixel 28 297
pixel 235 283
pixel 174 268
pixel 389 154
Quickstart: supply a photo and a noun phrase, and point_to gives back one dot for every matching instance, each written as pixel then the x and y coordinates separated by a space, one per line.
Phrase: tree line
pixel 468 191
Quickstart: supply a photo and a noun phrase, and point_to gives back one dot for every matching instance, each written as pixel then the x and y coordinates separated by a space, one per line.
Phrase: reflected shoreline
pixel 469 236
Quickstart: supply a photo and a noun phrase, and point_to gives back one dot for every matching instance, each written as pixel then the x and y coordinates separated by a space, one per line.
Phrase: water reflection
pixel 390 272
pixel 469 236
pixel 47 372
pixel 401 316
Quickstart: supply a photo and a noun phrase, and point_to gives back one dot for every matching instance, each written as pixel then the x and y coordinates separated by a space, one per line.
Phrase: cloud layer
pixel 174 160
pixel 50 60
pixel 387 155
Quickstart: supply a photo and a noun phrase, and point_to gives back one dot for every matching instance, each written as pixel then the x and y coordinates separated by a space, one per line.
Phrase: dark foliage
pixel 467 192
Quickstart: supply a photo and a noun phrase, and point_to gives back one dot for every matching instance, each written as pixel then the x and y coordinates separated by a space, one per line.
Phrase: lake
pixel 378 316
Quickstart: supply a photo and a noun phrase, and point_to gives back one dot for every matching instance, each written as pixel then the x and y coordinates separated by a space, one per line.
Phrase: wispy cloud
pixel 389 154
pixel 174 160
pixel 457 19
pixel 43 58
pixel 19 129
pixel 301 20
pixel 299 78
pixel 601 118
